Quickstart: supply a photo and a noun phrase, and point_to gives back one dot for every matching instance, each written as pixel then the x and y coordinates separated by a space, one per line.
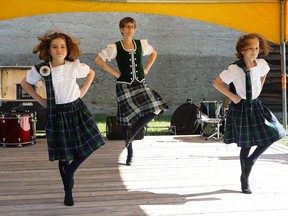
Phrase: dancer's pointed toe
pixel 245 185
pixel 129 160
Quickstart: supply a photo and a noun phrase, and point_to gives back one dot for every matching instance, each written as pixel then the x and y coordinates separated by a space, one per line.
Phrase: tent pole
pixel 283 65
pixel 284 83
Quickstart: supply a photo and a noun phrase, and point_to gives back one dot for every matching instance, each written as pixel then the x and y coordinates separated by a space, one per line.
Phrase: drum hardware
pixel 34 129
pixel 213 109
pixel 215 125
pixel 211 119
pixel 218 109
pixel 17 129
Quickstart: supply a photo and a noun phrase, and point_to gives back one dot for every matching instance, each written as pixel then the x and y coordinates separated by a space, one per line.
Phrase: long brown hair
pixel 242 42
pixel 73 50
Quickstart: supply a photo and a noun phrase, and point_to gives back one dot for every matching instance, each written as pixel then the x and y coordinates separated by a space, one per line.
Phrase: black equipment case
pixel 187 119
pixel 114 131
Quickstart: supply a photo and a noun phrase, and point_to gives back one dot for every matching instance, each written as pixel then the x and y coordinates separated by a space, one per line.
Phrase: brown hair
pixel 73 50
pixel 242 42
pixel 126 20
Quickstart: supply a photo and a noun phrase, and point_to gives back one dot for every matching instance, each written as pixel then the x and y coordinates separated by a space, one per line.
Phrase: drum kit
pixel 212 119
pixel 17 128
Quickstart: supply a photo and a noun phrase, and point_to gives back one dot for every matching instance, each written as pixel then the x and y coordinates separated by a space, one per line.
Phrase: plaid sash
pixel 51 104
pixel 241 64
pixel 248 93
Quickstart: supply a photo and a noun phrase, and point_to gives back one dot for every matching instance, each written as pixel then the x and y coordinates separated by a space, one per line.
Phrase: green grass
pixel 101 123
pixel 159 126
pixel 284 141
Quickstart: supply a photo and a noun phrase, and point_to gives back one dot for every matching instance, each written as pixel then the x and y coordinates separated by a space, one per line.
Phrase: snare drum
pixel 17 129
pixel 213 109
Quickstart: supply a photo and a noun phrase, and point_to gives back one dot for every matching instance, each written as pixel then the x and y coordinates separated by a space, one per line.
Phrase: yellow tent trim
pixel 263 18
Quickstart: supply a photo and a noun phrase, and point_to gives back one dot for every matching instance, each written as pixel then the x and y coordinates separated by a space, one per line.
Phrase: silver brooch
pixel 45 71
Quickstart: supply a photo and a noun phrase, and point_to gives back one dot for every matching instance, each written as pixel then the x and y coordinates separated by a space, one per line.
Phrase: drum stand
pixel 217 123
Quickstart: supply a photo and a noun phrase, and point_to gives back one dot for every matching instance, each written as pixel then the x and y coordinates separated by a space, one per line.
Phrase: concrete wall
pixel 190 53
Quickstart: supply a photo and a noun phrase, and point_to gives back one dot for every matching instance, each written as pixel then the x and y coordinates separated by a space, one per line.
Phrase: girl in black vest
pixel 249 122
pixel 137 103
pixel 72 133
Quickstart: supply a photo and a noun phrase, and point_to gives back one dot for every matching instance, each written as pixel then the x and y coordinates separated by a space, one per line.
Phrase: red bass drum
pixel 17 129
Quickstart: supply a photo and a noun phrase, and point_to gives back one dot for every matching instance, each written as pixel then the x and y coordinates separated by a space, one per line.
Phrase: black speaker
pixel 186 118
pixel 114 131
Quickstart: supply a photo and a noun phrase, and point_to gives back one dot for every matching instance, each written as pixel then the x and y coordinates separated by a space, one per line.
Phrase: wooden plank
pixel 171 176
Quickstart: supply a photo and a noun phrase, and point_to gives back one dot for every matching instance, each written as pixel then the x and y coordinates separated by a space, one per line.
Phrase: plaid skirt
pixel 261 128
pixel 137 100
pixel 72 133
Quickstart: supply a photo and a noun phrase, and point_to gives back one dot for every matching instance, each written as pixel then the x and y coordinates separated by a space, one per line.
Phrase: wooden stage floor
pixel 170 176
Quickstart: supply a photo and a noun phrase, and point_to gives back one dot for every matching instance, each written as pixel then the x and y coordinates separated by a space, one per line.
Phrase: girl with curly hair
pixel 72 133
pixel 249 122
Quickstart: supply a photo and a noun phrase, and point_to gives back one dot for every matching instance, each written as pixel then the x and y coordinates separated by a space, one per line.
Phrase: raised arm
pixel 220 86
pixel 102 64
pixel 28 88
pixel 150 62
pixel 87 83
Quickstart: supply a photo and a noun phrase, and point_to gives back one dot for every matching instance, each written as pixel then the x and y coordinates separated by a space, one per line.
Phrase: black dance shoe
pixel 129 160
pixel 245 185
pixel 68 200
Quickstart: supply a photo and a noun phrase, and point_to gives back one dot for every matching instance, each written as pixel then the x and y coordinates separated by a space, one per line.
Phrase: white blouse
pixel 110 52
pixel 236 75
pixel 64 79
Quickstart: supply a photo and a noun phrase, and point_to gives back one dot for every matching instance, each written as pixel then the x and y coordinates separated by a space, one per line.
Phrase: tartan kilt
pixel 261 128
pixel 137 100
pixel 72 132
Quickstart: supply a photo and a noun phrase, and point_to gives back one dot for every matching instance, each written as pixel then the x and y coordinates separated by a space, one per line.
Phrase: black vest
pixel 130 63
